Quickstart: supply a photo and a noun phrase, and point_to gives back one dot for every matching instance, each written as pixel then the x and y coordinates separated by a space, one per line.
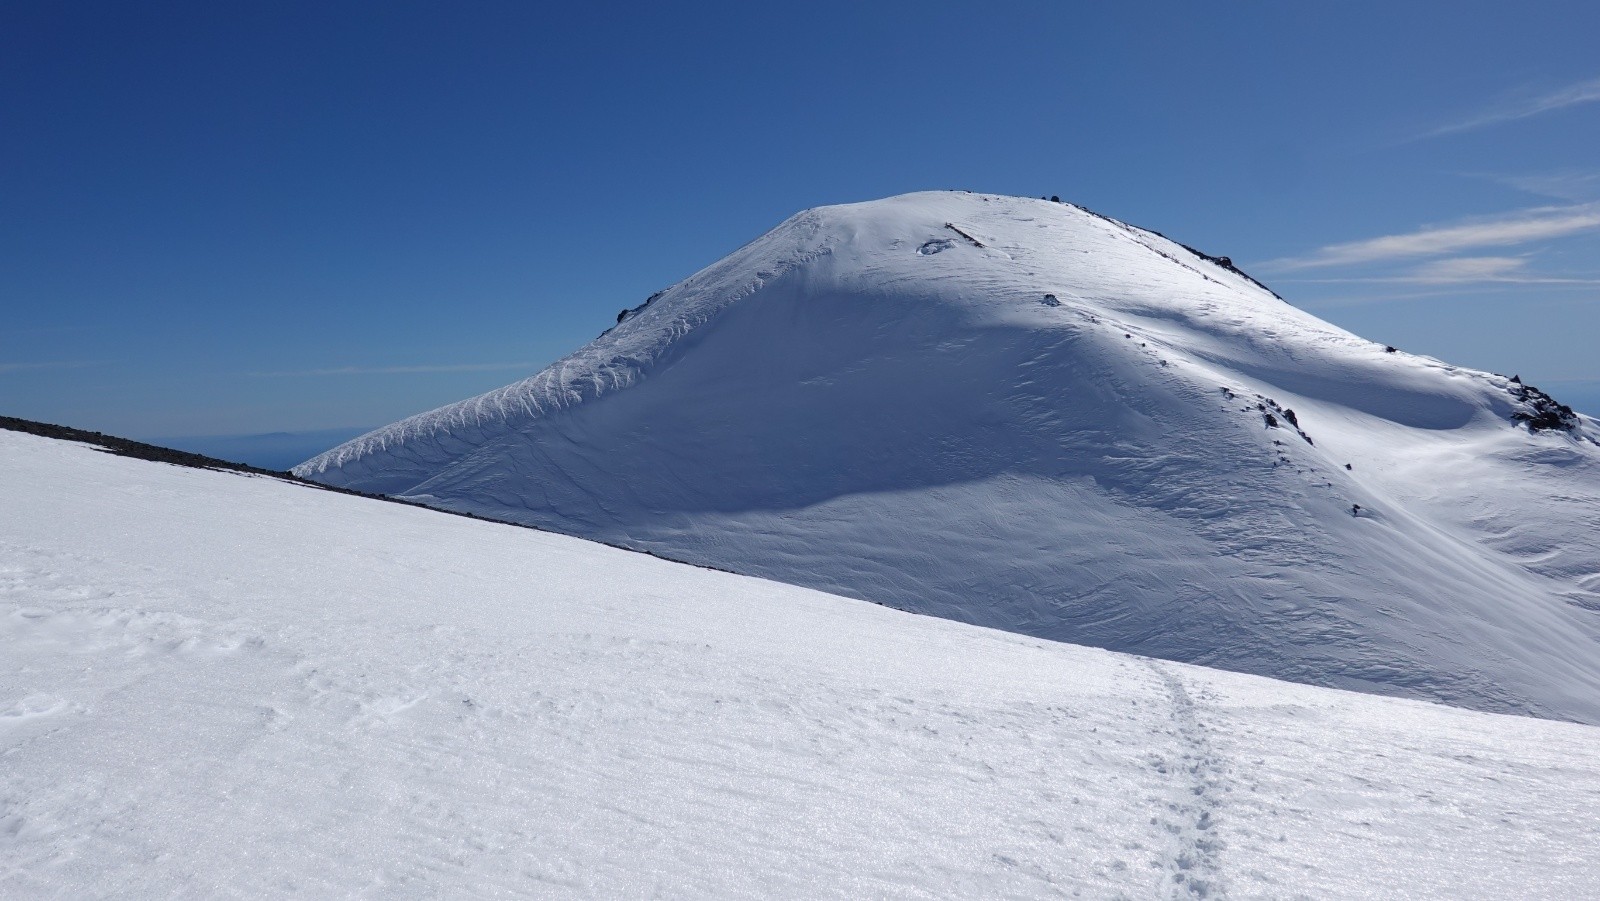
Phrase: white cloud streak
pixel 1571 185
pixel 1521 227
pixel 1451 291
pixel 1524 107
pixel 401 370
pixel 1361 300
pixel 1460 271
pixel 30 367
pixel 1469 269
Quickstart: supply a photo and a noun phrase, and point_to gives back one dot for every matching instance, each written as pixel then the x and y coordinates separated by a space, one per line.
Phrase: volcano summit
pixel 1021 414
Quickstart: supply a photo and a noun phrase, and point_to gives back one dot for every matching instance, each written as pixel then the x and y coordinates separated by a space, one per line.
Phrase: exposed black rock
pixel 1268 407
pixel 1539 410
pixel 1227 263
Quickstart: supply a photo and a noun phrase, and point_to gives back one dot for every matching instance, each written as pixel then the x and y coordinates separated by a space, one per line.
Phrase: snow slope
pixel 217 685
pixel 1023 415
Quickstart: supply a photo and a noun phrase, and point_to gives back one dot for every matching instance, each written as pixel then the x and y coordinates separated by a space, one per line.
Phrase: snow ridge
pixel 620 357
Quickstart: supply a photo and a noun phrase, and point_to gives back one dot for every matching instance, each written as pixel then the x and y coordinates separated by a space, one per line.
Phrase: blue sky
pixel 221 219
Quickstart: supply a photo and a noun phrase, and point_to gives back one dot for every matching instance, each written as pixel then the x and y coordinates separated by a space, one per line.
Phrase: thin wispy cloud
pixel 31 367
pixel 1429 294
pixel 1470 269
pixel 401 370
pixel 1520 227
pixel 1512 109
pixel 1462 271
pixel 1366 299
pixel 1571 185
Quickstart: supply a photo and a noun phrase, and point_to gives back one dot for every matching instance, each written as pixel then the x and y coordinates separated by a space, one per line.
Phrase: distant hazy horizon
pixel 273 450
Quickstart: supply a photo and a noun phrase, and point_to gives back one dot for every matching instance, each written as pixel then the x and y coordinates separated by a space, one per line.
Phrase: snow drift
pixel 219 685
pixel 1024 415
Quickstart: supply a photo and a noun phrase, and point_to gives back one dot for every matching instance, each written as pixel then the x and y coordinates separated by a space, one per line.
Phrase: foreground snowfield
pixel 214 685
pixel 1022 415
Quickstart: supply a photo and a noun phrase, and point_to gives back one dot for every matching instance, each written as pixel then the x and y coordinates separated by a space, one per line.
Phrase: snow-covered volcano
pixel 1022 414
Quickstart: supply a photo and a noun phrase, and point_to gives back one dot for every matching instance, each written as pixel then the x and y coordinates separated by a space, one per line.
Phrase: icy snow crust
pixel 216 685
pixel 1023 415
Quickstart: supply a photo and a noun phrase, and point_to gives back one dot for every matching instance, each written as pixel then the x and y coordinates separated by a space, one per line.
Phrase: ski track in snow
pixel 214 685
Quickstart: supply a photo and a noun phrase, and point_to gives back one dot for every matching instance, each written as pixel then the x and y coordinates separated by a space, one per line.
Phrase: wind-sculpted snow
pixel 216 685
pixel 615 360
pixel 1024 415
